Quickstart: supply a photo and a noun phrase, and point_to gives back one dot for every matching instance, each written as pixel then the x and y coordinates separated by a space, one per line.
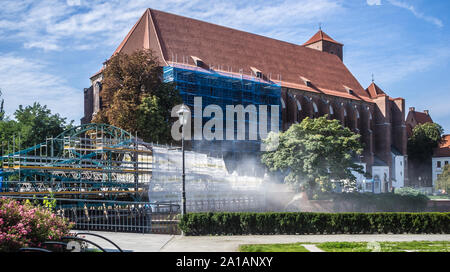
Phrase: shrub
pixel 407 191
pixel 24 225
pixel 225 223
pixel 406 200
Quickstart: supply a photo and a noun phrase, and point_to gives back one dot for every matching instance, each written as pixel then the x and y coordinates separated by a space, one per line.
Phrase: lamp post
pixel 182 114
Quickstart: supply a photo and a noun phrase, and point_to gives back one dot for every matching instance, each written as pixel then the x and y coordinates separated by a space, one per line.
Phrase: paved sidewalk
pixel 312 248
pixel 176 243
pixel 130 241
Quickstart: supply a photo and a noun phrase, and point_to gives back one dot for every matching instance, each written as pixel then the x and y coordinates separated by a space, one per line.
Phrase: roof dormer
pixel 306 81
pixel 256 72
pixel 198 61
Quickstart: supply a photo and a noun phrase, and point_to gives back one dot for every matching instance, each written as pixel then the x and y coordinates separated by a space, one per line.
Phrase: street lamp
pixel 183 117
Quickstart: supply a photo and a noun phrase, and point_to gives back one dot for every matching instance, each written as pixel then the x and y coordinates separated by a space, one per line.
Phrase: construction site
pixel 90 161
pixel 95 162
pixel 98 172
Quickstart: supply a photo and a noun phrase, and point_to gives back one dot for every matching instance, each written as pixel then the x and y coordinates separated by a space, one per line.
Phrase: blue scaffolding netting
pixel 224 89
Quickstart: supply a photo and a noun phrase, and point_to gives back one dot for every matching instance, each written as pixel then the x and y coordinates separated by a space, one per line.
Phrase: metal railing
pixel 117 216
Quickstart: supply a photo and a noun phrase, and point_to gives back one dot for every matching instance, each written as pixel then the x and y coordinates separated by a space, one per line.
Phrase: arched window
pixel 97 88
pixel 316 109
pixel 283 105
pixel 331 110
pixel 299 106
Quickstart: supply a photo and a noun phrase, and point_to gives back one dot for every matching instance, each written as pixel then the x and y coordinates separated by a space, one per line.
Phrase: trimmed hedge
pixel 385 202
pixel 227 223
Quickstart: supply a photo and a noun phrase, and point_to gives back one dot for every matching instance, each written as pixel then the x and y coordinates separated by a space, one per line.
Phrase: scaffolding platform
pixel 88 160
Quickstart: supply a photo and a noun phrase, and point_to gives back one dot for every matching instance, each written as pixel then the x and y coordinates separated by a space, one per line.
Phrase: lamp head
pixel 183 114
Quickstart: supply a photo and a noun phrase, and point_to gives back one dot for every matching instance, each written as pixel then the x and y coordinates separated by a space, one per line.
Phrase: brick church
pixel 311 80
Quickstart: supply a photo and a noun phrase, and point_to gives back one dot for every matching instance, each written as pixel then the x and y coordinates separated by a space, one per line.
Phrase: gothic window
pixel 97 88
pixel 299 107
pixel 316 109
pixel 283 105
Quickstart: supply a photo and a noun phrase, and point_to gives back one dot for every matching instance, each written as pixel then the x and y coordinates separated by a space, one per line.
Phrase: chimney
pixel 412 109
pixel 427 112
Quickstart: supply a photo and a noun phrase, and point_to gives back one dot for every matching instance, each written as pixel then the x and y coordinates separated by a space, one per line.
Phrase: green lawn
pixel 418 246
pixel 439 197
pixel 273 248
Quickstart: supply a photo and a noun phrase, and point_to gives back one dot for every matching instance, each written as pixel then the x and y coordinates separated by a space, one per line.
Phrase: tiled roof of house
pixel 176 39
pixel 444 147
pixel 415 118
pixel 422 118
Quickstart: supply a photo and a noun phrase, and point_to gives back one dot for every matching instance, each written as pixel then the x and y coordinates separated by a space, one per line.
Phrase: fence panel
pixel 117 216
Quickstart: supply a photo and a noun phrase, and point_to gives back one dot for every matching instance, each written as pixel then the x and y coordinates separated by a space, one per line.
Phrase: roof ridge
pixel 321 36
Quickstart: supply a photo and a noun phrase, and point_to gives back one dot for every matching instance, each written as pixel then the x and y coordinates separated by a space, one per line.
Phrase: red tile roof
pixel 320 36
pixel 373 90
pixel 421 117
pixel 444 147
pixel 175 39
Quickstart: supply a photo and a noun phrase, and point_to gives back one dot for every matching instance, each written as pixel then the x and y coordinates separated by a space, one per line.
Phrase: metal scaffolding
pixel 223 88
pixel 88 161
pixel 96 162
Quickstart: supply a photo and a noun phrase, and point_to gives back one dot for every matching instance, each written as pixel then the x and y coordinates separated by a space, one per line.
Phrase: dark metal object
pixel 55 243
pixel 183 192
pixel 71 238
pixel 33 249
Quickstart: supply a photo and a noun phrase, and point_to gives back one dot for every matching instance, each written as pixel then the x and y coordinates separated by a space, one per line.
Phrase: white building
pixel 384 178
pixel 441 158
pixel 398 169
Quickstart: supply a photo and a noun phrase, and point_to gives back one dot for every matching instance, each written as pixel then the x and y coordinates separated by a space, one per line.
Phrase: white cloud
pixel 56 25
pixel 73 2
pixel 398 66
pixel 24 81
pixel 417 13
pixel 373 2
pixel 46 45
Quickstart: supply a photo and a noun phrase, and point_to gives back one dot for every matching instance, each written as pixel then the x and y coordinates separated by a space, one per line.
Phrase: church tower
pixel 322 42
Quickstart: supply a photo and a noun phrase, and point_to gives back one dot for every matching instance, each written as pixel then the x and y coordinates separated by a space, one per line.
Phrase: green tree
pixel 424 139
pixel 2 111
pixel 38 123
pixel 32 125
pixel 135 98
pixel 443 181
pixel 8 128
pixel 314 152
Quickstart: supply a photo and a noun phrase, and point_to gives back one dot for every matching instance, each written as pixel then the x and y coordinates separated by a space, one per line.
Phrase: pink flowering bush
pixel 25 225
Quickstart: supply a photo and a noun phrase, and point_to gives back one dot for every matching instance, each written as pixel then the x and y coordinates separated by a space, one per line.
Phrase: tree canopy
pixel 2 111
pixel 32 125
pixel 135 98
pixel 314 152
pixel 424 139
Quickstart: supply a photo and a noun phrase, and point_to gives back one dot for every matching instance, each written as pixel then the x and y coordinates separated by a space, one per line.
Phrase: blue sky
pixel 49 48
